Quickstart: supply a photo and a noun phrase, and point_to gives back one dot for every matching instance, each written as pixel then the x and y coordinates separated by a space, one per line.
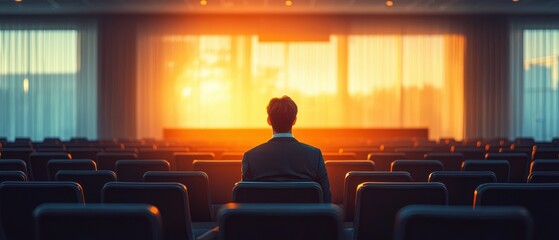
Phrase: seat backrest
pixel 13 165
pixel 353 179
pixel 541 165
pixel 470 153
pixel 337 170
pixel 450 161
pixel 383 161
pixel 539 198
pixel 12 176
pixel 170 198
pixel 501 168
pixel 134 170
pixel 84 153
pixel 418 169
pixel 338 156
pixel 223 174
pixel 378 203
pixel 414 153
pixel 97 221
pixel 461 185
pixel 546 153
pixel 91 181
pixel 361 152
pixel 197 184
pixel 107 160
pixel 16 153
pixel 280 221
pixel 55 165
pixel 277 192
pixel 419 222
pixel 544 177
pixel 183 160
pixel 519 163
pixel 164 154
pixel 38 164
pixel 231 156
pixel 19 199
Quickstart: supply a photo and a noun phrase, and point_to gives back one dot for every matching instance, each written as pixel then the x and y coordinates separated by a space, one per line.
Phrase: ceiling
pixel 278 6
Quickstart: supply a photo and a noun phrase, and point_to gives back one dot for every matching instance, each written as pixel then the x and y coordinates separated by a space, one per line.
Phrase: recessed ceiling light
pixel 288 3
pixel 390 3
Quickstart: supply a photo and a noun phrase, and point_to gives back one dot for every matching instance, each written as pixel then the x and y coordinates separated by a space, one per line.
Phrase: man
pixel 283 158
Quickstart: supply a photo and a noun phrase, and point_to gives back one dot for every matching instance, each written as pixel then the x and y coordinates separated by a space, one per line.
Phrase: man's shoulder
pixel 270 144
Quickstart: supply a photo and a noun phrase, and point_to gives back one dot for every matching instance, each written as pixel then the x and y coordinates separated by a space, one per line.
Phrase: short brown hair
pixel 282 112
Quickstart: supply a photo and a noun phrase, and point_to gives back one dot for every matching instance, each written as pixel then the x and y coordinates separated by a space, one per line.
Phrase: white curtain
pixel 369 77
pixel 48 78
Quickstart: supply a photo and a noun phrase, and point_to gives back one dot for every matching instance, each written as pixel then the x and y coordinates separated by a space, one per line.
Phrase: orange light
pixel 288 3
pixel 515 1
pixel 18 1
pixel 389 3
pixel 154 210
pixel 203 2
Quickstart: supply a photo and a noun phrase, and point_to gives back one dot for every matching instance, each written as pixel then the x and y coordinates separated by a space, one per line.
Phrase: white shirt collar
pixel 276 135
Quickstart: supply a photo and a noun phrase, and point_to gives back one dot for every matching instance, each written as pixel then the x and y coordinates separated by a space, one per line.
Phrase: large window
pixel 47 82
pixel 346 81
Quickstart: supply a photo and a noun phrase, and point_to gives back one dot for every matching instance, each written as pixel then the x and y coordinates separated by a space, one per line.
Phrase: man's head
pixel 282 114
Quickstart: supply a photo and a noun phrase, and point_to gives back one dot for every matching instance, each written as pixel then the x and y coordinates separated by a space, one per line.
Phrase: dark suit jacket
pixel 286 159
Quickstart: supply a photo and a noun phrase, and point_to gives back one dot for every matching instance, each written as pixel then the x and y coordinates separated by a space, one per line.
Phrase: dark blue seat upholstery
pixel 91 181
pixel 277 192
pixel 134 170
pixel 223 174
pixel 544 177
pixel 13 165
pixel 107 160
pixel 55 165
pixel 12 176
pixel 337 170
pixel 383 161
pixel 38 164
pixel 501 168
pixel 183 160
pixel 519 163
pixel 450 161
pixel 461 185
pixel 544 165
pixel 418 169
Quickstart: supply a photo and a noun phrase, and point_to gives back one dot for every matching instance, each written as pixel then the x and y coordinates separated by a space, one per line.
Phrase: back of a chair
pixel 183 160
pixel 38 164
pixel 13 165
pixel 353 179
pixel 223 174
pixel 519 163
pixel 419 222
pixel 378 203
pixel 134 170
pixel 280 221
pixel 231 156
pixel 414 153
pixel 470 153
pixel 501 168
pixel 107 160
pixel 539 198
pixel 418 169
pixel 546 153
pixel 19 199
pixel 170 198
pixel 277 192
pixel 337 170
pixel 544 165
pixel 91 181
pixel 12 176
pixel 450 161
pixel 461 185
pixel 97 221
pixel 84 153
pixel 338 156
pixel 544 177
pixel 16 153
pixel 383 161
pixel 55 165
pixel 197 184
pixel 167 154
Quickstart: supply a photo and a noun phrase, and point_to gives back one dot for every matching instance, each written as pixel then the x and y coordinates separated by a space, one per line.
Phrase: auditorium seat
pixel 418 169
pixel 12 176
pixel 544 165
pixel 84 153
pixel 13 165
pixel 519 163
pixel 383 161
pixel 378 203
pixel 420 222
pixel 38 164
pixel 19 199
pixel 544 177
pixel 134 170
pixel 107 160
pixel 337 170
pixel 338 156
pixel 50 149
pixel 462 185
pixel 183 160
pixel 167 154
pixel 55 165
pixel 414 153
pixel 360 152
pixel 546 153
pixel 97 221
pixel 470 153
pixel 450 161
pixel 353 179
pixel 277 192
pixel 280 221
pixel 16 153
pixel 539 198
pixel 501 168
pixel 170 198
pixel 91 181
pixel 197 185
pixel 223 174
pixel 231 156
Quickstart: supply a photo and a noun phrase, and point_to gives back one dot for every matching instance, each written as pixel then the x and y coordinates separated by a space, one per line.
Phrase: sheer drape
pixel 48 78
pixel 372 76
